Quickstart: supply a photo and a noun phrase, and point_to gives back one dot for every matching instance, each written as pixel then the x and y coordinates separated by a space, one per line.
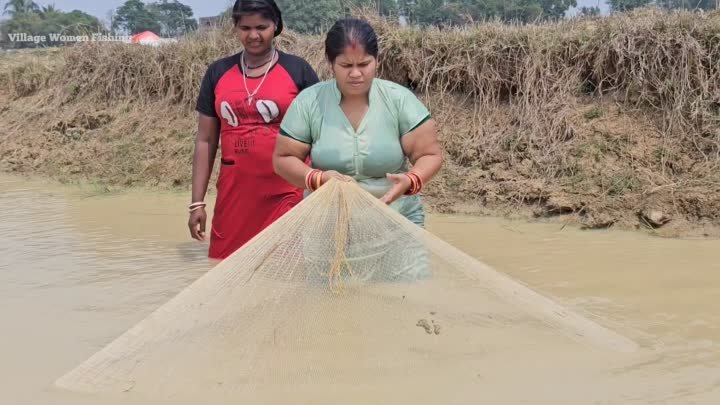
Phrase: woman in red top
pixel 242 101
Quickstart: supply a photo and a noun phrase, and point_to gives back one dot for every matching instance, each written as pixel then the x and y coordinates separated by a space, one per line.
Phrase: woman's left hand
pixel 400 185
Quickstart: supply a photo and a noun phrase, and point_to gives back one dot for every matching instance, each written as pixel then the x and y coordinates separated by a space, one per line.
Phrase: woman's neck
pixel 254 60
pixel 354 100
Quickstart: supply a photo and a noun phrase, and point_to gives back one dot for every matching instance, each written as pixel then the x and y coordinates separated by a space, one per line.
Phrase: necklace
pixel 251 96
pixel 262 64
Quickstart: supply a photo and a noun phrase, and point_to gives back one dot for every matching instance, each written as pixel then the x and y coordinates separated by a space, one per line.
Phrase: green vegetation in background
pixel 590 11
pixel 312 17
pixel 166 18
pixel 15 7
pixel 26 17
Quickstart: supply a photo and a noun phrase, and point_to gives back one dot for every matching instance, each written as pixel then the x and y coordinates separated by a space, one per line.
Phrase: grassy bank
pixel 612 121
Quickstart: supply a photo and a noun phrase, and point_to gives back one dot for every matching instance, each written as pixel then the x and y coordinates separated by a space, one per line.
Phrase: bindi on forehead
pixel 355 50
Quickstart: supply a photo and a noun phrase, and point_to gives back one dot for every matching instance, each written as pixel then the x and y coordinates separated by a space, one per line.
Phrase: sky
pixel 201 8
pixel 101 8
pixel 602 4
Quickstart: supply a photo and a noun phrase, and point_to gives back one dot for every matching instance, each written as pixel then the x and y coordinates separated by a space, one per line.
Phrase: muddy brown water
pixel 78 268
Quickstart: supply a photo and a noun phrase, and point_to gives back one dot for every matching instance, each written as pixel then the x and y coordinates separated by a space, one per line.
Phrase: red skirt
pixel 250 196
pixel 246 204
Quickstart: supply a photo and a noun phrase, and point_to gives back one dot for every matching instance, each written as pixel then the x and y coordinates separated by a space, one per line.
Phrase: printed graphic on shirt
pixel 228 114
pixel 297 76
pixel 243 145
pixel 268 109
pixel 248 126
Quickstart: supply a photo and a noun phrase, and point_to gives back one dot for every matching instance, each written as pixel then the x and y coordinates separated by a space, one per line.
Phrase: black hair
pixel 266 8
pixel 346 31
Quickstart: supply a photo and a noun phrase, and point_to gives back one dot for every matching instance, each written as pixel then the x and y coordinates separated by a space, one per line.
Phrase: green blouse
pixel 315 118
pixel 367 155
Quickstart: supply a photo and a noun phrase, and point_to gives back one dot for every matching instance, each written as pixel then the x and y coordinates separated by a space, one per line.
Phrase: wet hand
pixel 400 185
pixel 196 223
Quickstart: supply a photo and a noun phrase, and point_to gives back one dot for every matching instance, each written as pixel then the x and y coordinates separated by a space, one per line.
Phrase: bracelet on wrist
pixel 196 206
pixel 313 179
pixel 416 183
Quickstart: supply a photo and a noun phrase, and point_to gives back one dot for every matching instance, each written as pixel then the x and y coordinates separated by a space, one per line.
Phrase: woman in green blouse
pixel 359 127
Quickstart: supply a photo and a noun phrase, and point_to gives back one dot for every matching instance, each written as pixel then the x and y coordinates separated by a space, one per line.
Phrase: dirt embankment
pixel 603 122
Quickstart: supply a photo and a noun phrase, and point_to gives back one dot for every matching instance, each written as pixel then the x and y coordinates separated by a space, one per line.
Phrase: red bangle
pixel 420 182
pixel 311 179
pixel 318 181
pixel 308 175
pixel 415 183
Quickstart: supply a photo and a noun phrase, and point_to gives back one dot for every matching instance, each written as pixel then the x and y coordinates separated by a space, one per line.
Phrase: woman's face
pixel 255 33
pixel 354 71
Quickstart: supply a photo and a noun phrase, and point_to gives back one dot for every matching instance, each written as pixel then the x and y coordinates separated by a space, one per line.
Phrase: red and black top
pixel 250 195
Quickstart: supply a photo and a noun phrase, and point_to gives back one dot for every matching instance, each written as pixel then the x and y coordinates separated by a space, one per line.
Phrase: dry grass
pixel 600 119
pixel 23 73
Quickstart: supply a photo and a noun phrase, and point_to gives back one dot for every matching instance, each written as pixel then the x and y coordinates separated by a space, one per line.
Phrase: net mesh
pixel 341 296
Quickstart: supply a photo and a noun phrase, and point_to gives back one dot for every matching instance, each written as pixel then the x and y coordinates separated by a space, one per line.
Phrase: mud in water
pixel 78 268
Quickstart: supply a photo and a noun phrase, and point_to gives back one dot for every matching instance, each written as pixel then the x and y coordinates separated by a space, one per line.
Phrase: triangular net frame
pixel 340 296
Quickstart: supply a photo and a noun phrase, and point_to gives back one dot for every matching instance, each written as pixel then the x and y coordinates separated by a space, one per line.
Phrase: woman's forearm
pixel 424 151
pixel 203 160
pixel 427 166
pixel 206 145
pixel 292 169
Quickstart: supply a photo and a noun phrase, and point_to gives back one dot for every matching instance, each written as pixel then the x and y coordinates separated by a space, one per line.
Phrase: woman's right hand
pixel 196 223
pixel 332 174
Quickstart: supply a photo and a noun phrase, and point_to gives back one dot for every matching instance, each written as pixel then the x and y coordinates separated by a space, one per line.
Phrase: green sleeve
pixel 412 112
pixel 296 122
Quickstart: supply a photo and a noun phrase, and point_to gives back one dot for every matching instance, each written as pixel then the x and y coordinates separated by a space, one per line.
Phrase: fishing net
pixel 342 300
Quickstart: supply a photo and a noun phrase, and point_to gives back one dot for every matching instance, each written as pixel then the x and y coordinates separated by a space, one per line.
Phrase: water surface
pixel 78 268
